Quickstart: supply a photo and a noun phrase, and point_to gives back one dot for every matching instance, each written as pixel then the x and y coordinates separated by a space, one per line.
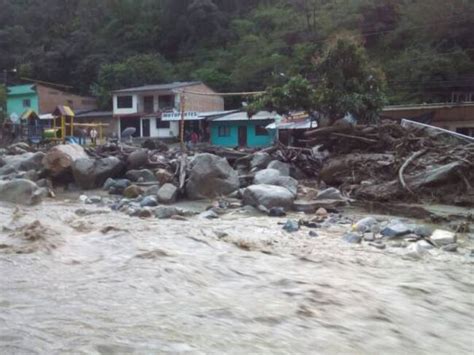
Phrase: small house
pixel 239 130
pixel 155 110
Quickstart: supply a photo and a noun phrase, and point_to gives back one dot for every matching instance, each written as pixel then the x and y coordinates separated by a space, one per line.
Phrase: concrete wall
pixel 49 98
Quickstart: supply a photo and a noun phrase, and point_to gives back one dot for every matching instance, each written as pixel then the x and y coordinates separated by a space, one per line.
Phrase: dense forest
pixel 424 47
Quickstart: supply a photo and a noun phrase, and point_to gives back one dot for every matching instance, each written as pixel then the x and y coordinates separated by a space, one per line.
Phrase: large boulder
pixel 164 176
pixel 273 177
pixel 58 160
pixel 143 175
pixel 268 196
pixel 283 168
pixel 23 162
pixel 92 173
pixel 137 159
pixel 330 193
pixel 21 191
pixel 167 193
pixel 260 161
pixel 211 176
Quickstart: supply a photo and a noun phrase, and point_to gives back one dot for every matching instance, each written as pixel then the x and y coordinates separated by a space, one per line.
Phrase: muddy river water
pixel 106 283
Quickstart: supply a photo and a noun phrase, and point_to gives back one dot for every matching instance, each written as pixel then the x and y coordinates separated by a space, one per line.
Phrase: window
pixel 26 103
pixel 148 104
pixel 260 130
pixel 162 124
pixel 223 131
pixel 124 101
pixel 166 102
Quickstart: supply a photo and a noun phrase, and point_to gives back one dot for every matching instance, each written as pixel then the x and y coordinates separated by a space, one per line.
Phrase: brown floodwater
pixel 106 283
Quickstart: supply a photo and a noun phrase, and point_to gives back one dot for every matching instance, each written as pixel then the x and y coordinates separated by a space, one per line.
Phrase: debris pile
pixel 387 162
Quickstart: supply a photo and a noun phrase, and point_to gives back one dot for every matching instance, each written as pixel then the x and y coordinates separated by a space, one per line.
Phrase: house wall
pixel 15 103
pixel 451 118
pixel 125 111
pixel 49 98
pixel 233 140
pixel 202 103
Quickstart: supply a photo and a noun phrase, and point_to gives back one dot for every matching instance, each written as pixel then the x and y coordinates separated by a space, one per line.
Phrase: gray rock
pixel 137 159
pixel 143 175
pixel 283 168
pixel 268 196
pixel 313 234
pixel 442 237
pixel 330 194
pixel 116 187
pixel 352 238
pixel 31 175
pixel 260 161
pixel 163 212
pixel 273 177
pixel 365 224
pixel 422 231
pixel 92 173
pixel 167 193
pixel 149 201
pixel 152 191
pixel 378 245
pixel 277 212
pixel 24 162
pixel 210 214
pixel 450 247
pixel 291 226
pixel 210 176
pixel 21 191
pixel 396 229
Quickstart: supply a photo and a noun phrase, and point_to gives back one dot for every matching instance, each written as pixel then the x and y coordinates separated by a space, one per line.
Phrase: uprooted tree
pixel 346 82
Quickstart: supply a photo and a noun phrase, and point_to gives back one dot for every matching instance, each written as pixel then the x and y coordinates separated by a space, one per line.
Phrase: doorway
pixel 145 127
pixel 242 136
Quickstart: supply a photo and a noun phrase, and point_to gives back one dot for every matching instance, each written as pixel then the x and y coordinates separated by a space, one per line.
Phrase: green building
pixel 237 129
pixel 21 98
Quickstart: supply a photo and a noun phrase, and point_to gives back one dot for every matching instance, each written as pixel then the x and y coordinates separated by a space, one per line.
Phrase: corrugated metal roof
pixel 63 111
pixel 243 116
pixel 92 114
pixel 21 89
pixel 160 87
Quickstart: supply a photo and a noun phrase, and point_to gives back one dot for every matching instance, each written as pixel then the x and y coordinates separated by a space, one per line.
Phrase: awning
pixel 63 111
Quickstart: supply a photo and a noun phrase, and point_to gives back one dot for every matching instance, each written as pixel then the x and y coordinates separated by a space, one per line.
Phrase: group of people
pixel 83 134
pixel 193 137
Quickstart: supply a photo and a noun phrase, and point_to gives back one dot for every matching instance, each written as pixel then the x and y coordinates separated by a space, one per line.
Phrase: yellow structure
pixel 64 120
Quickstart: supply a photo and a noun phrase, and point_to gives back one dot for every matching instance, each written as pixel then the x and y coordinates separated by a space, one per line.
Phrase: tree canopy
pixel 424 47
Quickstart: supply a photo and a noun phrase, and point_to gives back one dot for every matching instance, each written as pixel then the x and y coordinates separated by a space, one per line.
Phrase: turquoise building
pixel 21 98
pixel 237 129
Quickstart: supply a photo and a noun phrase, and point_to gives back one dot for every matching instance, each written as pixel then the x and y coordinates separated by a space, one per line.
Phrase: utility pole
pixel 182 102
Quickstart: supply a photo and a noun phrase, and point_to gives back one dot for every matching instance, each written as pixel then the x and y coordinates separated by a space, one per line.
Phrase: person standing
pixel 93 134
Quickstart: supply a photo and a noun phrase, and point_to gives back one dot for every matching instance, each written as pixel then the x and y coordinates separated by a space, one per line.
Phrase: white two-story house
pixel 154 110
